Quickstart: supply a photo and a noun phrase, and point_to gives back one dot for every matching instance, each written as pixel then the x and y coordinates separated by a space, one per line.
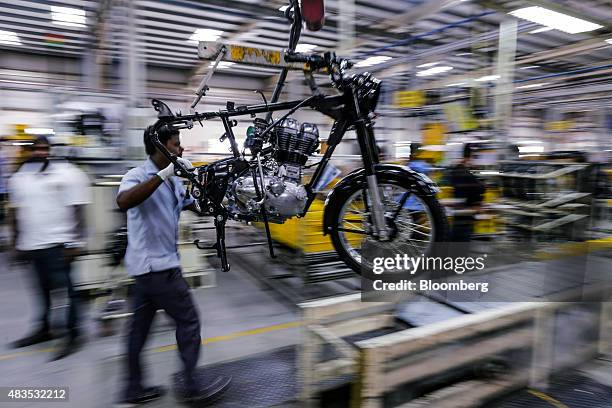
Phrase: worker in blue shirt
pixel 420 166
pixel 154 199
pixel 416 163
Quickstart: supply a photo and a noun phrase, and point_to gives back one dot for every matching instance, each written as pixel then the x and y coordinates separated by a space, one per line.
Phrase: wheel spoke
pixel 416 249
pixel 352 231
pixel 400 205
pixel 418 232
pixel 351 224
pixel 408 224
pixel 356 213
pixel 414 227
pixel 417 240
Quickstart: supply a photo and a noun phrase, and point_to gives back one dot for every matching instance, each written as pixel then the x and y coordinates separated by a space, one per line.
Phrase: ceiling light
pixel 222 64
pixel 458 84
pixel 371 61
pixel 530 67
pixel 531 149
pixel 67 16
pixel 429 64
pixel 433 71
pixel 205 34
pixel 305 47
pixel 541 30
pixel 609 40
pixel 532 85
pixel 558 21
pixel 9 38
pixel 463 54
pixel 38 131
pixel 488 78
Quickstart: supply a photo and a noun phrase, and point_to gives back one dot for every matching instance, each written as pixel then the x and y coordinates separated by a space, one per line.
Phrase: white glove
pixel 169 171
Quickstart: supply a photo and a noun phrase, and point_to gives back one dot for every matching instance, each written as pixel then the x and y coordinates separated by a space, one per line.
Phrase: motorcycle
pixel 390 204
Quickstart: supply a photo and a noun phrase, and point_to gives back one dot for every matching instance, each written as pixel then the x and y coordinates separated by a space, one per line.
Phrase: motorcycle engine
pixel 285 196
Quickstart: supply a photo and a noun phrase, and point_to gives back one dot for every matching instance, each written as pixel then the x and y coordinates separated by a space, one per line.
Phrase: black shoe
pixel 35 338
pixel 69 347
pixel 208 392
pixel 146 395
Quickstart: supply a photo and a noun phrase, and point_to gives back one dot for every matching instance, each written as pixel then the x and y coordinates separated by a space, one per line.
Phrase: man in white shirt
pixel 3 193
pixel 3 170
pixel 47 200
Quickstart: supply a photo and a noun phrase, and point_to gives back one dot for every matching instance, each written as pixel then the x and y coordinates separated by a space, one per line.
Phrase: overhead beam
pixel 545 55
pixel 264 10
pixel 570 50
pixel 566 50
pixel 490 36
pixel 202 65
pixel 426 9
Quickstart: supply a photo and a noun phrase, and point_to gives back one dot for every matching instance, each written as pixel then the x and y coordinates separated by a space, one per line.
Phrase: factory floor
pixel 238 319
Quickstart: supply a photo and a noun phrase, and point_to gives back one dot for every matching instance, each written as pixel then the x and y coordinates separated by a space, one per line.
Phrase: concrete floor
pixel 229 313
pixel 239 318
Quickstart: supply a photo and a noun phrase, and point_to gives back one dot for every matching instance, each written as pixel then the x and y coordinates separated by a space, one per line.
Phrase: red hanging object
pixel 313 14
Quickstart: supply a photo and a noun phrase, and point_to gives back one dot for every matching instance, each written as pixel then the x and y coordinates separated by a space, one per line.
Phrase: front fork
pixel 369 153
pixel 378 210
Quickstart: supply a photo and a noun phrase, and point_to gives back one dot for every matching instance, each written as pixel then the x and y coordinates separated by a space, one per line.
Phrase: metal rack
pixel 545 199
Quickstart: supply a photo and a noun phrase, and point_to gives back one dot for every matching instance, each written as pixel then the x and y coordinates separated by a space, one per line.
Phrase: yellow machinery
pixel 14 143
pixel 306 234
pixel 486 223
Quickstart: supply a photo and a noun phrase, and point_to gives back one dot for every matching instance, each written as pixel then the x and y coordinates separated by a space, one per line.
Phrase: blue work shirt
pixel 420 166
pixel 153 225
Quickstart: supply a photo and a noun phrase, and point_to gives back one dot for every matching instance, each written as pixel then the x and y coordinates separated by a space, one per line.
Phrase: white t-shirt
pixel 44 203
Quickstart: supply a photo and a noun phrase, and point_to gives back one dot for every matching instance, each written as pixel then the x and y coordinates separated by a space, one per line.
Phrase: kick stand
pixel 220 245
pixel 264 215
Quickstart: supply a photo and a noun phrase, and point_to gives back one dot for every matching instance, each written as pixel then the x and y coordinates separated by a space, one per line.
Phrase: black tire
pixel 438 217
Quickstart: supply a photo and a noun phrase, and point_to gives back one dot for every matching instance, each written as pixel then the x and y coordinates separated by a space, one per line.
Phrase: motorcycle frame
pixel 350 116
pixel 346 119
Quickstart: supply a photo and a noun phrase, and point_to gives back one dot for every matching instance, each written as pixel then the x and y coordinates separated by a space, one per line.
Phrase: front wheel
pixel 415 221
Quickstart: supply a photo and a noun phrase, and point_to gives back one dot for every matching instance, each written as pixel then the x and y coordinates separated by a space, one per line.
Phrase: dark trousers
pixel 52 270
pixel 463 228
pixel 169 291
pixel 2 207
